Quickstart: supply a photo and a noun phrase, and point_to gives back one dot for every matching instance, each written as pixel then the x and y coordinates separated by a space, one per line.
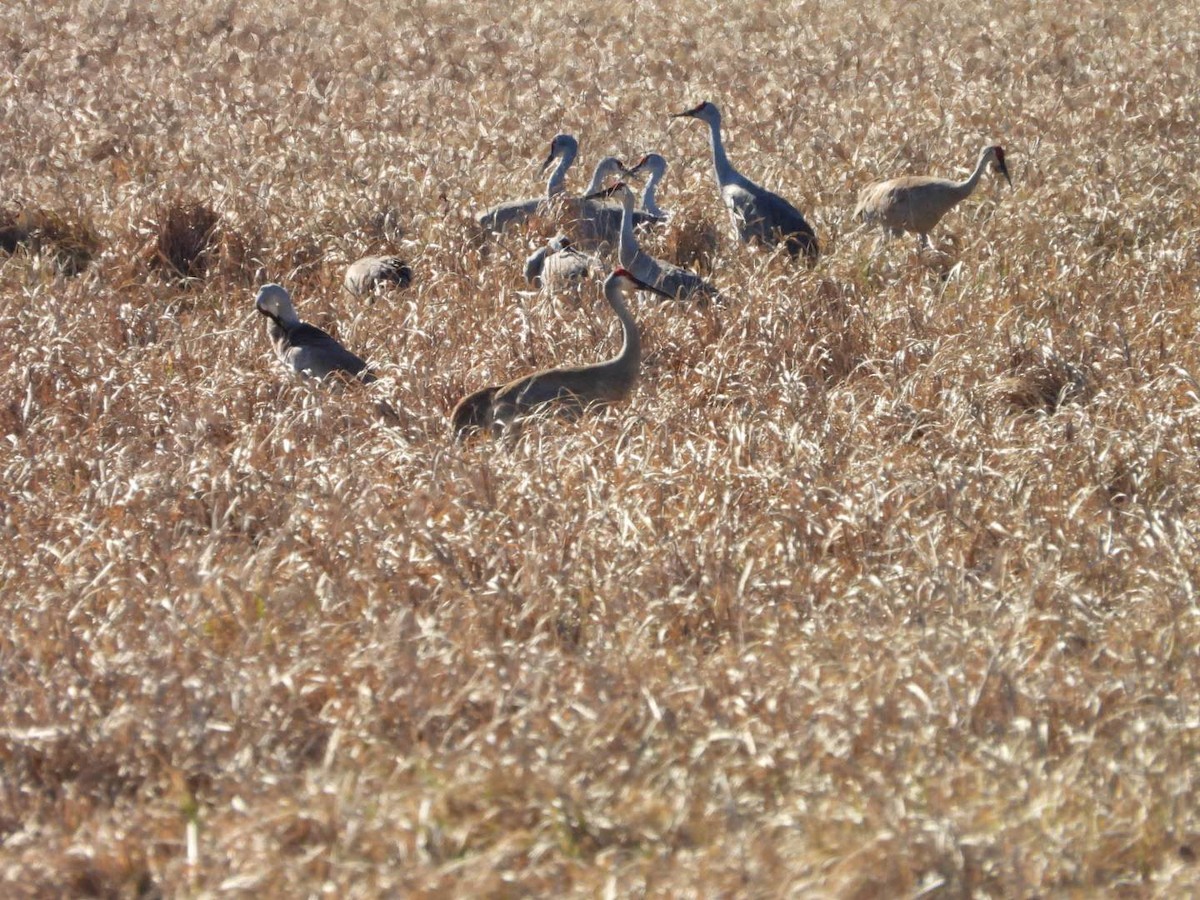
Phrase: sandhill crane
pixel 918 202
pixel 758 215
pixel 301 347
pixel 559 263
pixel 591 225
pixel 364 274
pixel 574 388
pixel 656 167
pixel 563 148
pixel 670 279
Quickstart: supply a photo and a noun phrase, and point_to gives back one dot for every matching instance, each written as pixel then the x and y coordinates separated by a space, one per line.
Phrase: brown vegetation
pixel 883 582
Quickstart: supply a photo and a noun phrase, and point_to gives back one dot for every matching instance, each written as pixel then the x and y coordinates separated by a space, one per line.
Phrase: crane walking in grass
pixel 917 203
pixel 571 388
pixel 669 279
pixel 759 216
pixel 304 348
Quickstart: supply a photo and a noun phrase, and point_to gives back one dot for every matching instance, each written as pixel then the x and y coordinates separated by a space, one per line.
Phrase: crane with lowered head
pixel 304 348
pixel 916 203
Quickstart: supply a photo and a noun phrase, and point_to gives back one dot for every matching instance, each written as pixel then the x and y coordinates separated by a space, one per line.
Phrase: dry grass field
pixel 883 584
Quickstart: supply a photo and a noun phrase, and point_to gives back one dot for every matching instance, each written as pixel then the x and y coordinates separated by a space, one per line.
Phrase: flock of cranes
pixel 594 226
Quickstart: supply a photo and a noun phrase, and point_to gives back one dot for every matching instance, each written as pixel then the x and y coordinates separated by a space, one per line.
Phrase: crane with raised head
pixel 304 348
pixel 916 203
pixel 563 148
pixel 759 216
pixel 571 388
pixel 363 275
pixel 670 280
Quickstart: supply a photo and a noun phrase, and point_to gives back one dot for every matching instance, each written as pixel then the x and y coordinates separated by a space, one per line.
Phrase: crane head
pixel 561 145
pixel 998 164
pixel 651 162
pixel 609 191
pixel 274 302
pixel 705 111
pixel 472 413
pixel 628 281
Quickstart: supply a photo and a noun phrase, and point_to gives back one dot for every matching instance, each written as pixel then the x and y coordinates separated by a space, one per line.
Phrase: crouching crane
pixel 559 263
pixel 363 275
pixel 304 348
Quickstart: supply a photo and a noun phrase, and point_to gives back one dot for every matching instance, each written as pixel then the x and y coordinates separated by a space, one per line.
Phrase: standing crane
pixel 363 275
pixel 758 215
pixel 574 388
pixel 301 347
pixel 656 166
pixel 669 279
pixel 563 148
pixel 917 203
pixel 593 226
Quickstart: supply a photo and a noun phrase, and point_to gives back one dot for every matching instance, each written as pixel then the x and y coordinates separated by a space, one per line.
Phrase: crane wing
pixel 313 350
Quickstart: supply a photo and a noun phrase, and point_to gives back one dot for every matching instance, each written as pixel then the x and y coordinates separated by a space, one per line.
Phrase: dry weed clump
pixel 881 583
pixel 68 242
pixel 693 244
pixel 185 240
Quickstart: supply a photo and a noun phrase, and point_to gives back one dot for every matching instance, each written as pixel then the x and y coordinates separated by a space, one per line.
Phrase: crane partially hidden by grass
pixel 304 348
pixel 668 279
pixel 571 388
pixel 364 275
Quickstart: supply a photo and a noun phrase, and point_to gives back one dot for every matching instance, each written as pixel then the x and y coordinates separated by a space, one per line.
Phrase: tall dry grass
pixel 883 584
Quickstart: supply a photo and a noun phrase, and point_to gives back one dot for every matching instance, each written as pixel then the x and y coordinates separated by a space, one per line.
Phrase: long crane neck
pixel 648 203
pixel 725 172
pixel 965 188
pixel 627 245
pixel 631 346
pixel 557 183
pixel 604 168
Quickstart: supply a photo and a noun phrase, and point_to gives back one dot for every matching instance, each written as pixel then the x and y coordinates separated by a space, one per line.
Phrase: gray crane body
pixel 759 216
pixel 363 275
pixel 559 264
pixel 916 203
pixel 570 388
pixel 301 347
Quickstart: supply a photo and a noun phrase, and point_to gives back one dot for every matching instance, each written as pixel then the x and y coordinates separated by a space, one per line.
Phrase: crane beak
pixel 1003 168
pixel 641 285
pixel 607 191
pixel 690 112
